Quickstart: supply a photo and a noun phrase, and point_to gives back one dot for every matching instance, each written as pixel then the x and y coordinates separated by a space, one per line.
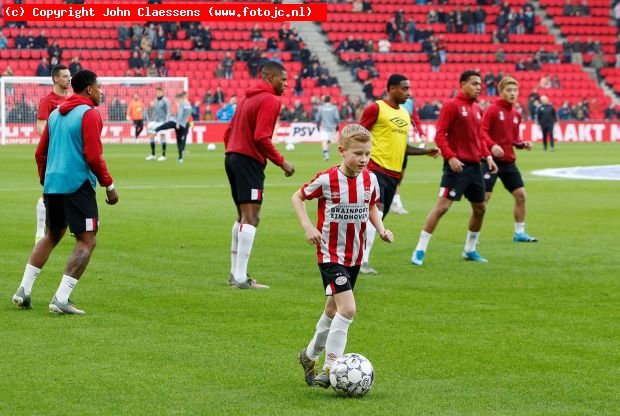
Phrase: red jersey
pixel 48 104
pixel 251 128
pixel 458 130
pixel 344 207
pixel 500 125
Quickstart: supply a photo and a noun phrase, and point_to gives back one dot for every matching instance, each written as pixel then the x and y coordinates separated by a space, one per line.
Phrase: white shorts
pixel 330 136
pixel 153 125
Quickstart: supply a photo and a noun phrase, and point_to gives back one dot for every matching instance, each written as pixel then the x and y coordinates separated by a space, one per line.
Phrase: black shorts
pixel 139 124
pixel 405 160
pixel 246 177
pixel 338 278
pixel 469 183
pixel 77 210
pixel 508 173
pixel 387 190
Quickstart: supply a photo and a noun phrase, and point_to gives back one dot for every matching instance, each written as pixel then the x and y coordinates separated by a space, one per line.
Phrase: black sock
pixel 153 148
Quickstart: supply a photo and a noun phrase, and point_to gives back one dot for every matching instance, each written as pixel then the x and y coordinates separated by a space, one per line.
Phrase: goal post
pixel 20 96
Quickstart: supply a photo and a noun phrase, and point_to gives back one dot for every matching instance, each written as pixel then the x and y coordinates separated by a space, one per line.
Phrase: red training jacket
pixel 251 128
pixel 458 130
pixel 500 125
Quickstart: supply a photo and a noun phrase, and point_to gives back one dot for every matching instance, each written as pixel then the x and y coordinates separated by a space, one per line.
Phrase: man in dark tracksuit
pixel 546 118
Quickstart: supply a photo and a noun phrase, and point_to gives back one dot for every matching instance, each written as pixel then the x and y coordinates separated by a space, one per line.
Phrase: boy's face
pixel 510 93
pixel 356 156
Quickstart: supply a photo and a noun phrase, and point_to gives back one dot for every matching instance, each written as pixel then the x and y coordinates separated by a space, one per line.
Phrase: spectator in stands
pixel 21 41
pixel 347 110
pixel 384 46
pixel 432 17
pixel 610 112
pixel 578 113
pixel 479 20
pixel 529 19
pixel 468 18
pixel 357 6
pixel 145 44
pixel 54 50
pixel 208 114
pixel 256 35
pixel 41 42
pixel 545 81
pixel 123 34
pixel 161 40
pixel 4 43
pixel 227 66
pixel 367 89
pixel 135 61
pixel 555 82
pixel 520 66
pixel 43 70
pixel 411 30
pixel 500 56
pixel 177 55
pixel 218 96
pixel 457 20
pixel 546 119
pixel 500 36
pixel 391 30
pixel 617 14
pixel 490 83
pixel 568 9
pixel 521 110
pixel 366 6
pixel 207 98
pixel 298 90
pixel 582 9
pixel 618 50
pixel 227 112
pixel 145 57
pixel 30 40
pixel 359 108
pixel 151 70
pixel 285 114
pixel 441 49
pixel 577 56
pixel 272 44
pixel 598 63
pixel 434 59
pixel 298 112
pixel 292 45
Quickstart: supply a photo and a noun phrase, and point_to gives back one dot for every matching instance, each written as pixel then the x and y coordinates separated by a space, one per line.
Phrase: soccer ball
pixel 352 375
pixel 290 147
pixel 211 147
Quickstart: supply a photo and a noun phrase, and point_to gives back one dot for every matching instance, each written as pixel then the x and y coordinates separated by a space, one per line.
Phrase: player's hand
pixel 527 146
pixel 456 165
pixel 497 151
pixel 433 152
pixel 492 166
pixel 112 197
pixel 313 235
pixel 288 169
pixel 386 235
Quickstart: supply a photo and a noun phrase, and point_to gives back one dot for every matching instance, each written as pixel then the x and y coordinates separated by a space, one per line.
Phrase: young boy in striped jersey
pixel 347 196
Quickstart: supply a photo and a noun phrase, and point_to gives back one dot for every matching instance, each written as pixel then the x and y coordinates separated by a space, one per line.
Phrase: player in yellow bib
pixel 389 125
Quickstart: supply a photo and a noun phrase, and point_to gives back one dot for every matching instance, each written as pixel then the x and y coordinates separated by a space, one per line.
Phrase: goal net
pixel 20 98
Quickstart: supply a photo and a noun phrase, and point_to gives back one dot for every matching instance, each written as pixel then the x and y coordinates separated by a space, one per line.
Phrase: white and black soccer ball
pixel 211 147
pixel 352 375
pixel 290 147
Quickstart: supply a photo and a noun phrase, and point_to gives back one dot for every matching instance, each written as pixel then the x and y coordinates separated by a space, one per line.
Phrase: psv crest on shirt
pixel 501 116
pixel 464 111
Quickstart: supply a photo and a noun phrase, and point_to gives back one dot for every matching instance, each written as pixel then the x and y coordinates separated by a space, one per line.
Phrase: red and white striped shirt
pixel 344 206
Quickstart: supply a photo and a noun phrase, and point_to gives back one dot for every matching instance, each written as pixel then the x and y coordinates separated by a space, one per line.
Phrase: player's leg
pixel 56 225
pixel 451 189
pixel 151 126
pixel 325 145
pixel 230 173
pixel 397 204
pixel 476 194
pixel 387 189
pixel 342 282
pixel 162 139
pixel 248 180
pixel 139 126
pixel 551 138
pixel 178 133
pixel 40 220
pixel 545 132
pixel 82 216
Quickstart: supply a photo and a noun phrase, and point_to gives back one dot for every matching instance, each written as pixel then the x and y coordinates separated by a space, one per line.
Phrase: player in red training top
pixel 60 91
pixel 347 196
pixel 458 138
pixel 500 131
pixel 248 146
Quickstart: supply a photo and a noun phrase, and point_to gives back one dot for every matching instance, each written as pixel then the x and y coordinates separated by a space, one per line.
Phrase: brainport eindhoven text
pixel 80 12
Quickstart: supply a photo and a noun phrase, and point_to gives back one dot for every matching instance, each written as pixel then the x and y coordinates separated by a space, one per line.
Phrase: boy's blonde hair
pixel 355 132
pixel 506 81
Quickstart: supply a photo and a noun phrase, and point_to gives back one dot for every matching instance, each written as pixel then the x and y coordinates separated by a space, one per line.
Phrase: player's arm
pixel 313 235
pixel 519 143
pixel 446 116
pixel 485 128
pixel 266 121
pixel 93 152
pixel 41 126
pixel 40 154
pixel 369 116
pixel 377 222
pixel 416 151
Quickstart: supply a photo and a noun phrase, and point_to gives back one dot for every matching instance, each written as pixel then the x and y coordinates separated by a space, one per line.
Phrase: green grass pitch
pixel 534 332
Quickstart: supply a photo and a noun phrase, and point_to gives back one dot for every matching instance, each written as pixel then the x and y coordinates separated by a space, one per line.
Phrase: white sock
pixel 317 343
pixel 66 287
pixel 336 340
pixel 371 232
pixel 423 241
pixel 40 218
pixel 471 241
pixel 30 275
pixel 396 200
pixel 519 227
pixel 244 249
pixel 233 246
